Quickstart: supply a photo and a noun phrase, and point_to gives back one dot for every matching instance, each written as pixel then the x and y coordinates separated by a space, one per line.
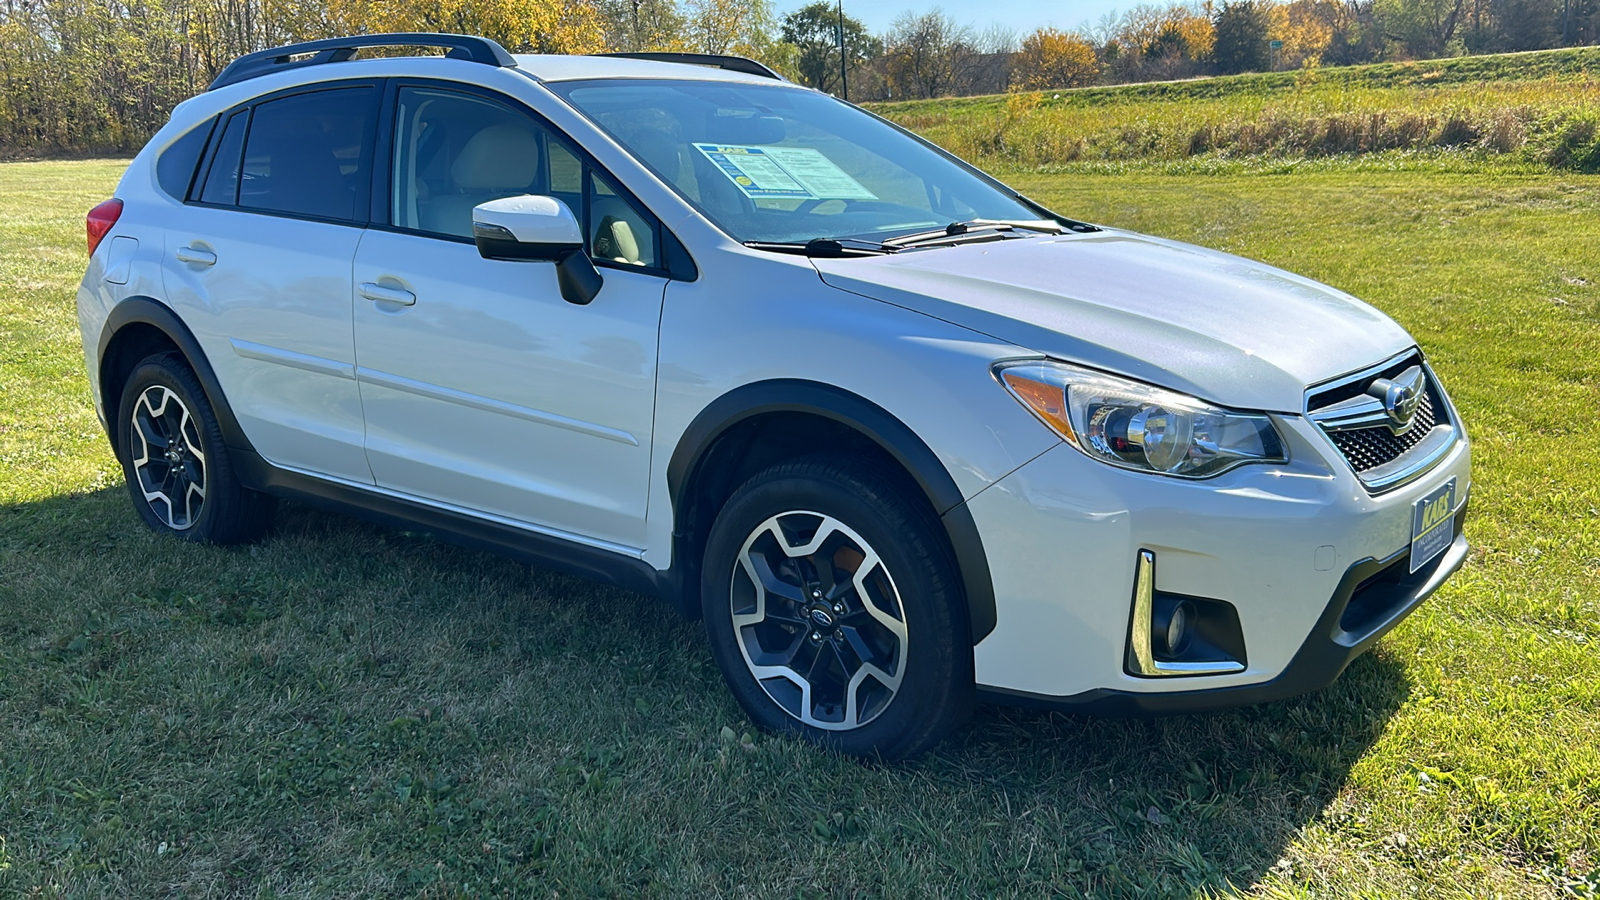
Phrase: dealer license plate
pixel 1433 524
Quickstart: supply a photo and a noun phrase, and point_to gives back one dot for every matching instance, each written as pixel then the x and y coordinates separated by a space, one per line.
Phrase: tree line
pixel 929 54
pixel 100 76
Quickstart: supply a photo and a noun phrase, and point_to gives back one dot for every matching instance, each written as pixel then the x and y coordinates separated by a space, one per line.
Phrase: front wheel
pixel 832 610
pixel 176 463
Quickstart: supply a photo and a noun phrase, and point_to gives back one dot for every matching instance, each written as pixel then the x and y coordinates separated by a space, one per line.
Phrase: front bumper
pixel 1372 598
pixel 1276 542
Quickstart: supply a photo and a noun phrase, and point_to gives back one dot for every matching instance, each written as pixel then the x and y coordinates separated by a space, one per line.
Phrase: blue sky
pixel 1021 16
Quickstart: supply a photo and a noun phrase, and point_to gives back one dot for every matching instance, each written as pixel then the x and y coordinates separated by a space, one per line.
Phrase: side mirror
pixel 538 228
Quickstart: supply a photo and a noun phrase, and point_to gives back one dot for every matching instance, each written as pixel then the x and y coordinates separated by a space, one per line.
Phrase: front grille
pixel 1368 448
pixel 1358 428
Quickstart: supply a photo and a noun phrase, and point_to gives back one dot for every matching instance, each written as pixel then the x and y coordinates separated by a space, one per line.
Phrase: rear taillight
pixel 101 219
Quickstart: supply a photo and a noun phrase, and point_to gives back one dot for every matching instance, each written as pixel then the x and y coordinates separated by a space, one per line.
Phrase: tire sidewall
pixel 931 633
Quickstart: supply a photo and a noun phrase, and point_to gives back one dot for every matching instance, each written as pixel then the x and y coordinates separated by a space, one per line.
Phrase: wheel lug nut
pixel 816 635
pixel 838 608
pixel 816 594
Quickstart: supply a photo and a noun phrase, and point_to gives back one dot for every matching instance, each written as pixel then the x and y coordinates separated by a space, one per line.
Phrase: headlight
pixel 1137 426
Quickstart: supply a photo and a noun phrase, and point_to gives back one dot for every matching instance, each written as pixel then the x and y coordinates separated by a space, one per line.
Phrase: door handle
pixel 374 291
pixel 196 256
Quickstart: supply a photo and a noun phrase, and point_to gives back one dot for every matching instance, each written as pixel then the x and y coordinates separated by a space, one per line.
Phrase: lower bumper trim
pixel 1372 598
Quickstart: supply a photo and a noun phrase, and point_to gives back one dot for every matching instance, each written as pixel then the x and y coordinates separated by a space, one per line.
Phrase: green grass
pixel 1528 111
pixel 346 710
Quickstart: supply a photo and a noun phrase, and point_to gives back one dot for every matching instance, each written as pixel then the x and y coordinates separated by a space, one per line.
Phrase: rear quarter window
pixel 176 164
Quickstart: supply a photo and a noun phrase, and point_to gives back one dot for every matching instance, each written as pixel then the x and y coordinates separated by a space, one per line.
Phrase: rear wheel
pixel 832 610
pixel 176 463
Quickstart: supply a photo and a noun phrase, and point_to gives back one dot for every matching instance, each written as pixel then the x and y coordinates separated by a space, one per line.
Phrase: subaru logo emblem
pixel 1400 395
pixel 822 618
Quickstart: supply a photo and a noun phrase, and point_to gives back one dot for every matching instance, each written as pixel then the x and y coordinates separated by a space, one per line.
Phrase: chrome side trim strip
pixel 435 392
pixel 303 361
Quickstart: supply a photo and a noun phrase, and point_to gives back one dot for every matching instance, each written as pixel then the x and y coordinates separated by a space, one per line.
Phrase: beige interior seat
pixel 498 161
pixel 617 232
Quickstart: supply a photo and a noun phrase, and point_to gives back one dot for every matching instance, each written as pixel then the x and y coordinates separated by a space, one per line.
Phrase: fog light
pixel 1174 626
pixel 1177 635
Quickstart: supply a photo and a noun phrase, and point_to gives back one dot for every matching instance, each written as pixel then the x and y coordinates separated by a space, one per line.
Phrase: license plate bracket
pixel 1433 524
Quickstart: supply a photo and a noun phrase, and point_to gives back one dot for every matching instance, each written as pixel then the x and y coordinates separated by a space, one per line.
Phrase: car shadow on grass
pixel 1170 806
pixel 364 627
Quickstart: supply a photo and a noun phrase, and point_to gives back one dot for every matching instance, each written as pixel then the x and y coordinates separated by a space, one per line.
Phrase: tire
pixel 175 462
pixel 856 637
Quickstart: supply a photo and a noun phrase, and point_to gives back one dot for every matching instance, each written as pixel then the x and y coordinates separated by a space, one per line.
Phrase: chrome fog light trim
pixel 1142 659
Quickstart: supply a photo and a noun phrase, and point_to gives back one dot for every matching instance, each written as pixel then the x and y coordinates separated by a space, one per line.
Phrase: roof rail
pixel 714 60
pixel 265 62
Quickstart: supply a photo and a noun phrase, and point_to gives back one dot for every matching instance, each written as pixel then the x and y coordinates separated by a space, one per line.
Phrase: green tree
pixel 1241 43
pixel 813 30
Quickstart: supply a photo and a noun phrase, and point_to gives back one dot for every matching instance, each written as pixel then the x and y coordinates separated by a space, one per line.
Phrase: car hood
pixel 1228 330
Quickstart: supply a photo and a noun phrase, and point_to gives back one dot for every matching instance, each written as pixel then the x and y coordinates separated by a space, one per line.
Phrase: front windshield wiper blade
pixel 957 229
pixel 825 248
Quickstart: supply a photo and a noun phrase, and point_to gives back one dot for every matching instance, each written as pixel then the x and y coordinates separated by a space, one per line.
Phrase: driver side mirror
pixel 531 227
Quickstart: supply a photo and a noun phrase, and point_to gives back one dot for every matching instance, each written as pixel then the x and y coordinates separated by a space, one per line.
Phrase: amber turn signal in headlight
pixel 1138 426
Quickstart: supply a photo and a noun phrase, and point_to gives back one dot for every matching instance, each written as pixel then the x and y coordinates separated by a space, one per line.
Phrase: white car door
pixel 483 389
pixel 259 267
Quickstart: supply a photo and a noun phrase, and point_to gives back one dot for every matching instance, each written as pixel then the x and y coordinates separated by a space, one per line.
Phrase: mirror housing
pixel 531 227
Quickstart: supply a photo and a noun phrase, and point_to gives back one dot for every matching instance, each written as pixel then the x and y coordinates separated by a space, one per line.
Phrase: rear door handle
pixel 197 256
pixel 374 291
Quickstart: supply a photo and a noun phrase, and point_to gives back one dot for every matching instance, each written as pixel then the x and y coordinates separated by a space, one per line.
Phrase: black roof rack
pixel 714 60
pixel 278 59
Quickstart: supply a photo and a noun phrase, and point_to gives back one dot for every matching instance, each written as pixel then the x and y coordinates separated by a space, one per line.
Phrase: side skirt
pixel 596 564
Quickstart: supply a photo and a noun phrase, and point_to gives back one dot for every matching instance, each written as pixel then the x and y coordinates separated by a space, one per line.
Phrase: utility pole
pixel 844 77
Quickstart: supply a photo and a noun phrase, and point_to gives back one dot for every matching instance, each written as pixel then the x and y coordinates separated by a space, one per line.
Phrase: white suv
pixel 902 436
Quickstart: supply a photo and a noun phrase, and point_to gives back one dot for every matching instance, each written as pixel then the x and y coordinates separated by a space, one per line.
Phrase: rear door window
pixel 310 154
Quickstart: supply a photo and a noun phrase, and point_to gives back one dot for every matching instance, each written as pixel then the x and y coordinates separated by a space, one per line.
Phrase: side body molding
pixel 146 311
pixel 878 425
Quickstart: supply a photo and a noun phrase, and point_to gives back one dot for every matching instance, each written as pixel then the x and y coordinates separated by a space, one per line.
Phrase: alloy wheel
pixel 168 460
pixel 819 621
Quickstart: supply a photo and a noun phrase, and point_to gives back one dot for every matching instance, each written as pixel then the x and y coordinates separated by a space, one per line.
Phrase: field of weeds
pixel 1538 111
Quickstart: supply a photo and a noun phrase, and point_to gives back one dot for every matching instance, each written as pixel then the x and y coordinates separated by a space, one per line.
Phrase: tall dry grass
pixel 1552 120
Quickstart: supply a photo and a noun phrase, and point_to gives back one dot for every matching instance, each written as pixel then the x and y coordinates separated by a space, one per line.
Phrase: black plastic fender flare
pixel 878 425
pixel 148 311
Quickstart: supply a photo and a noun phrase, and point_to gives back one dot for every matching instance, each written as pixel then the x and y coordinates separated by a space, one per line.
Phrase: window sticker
pixel 794 172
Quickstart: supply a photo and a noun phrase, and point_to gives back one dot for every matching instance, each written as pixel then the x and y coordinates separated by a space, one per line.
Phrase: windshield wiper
pixel 825 248
pixel 958 229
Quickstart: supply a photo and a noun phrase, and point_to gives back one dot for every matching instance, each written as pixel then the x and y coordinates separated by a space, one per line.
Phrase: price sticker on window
pixel 800 173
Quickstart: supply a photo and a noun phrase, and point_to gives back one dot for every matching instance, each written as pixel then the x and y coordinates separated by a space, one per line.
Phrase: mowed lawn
pixel 346 710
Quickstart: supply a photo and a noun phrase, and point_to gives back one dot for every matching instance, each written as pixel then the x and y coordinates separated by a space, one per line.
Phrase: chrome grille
pixel 1368 448
pixel 1358 428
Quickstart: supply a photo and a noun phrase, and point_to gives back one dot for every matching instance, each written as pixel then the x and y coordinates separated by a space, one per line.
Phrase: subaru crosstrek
pixel 900 435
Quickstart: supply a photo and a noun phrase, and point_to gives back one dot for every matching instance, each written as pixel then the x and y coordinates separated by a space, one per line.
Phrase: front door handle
pixel 374 291
pixel 197 256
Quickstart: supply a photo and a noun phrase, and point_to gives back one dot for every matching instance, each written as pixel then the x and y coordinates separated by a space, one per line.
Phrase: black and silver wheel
pixel 168 457
pixel 173 457
pixel 830 603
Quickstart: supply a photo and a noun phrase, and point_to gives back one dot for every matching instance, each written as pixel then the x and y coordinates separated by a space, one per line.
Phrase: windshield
pixel 779 164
